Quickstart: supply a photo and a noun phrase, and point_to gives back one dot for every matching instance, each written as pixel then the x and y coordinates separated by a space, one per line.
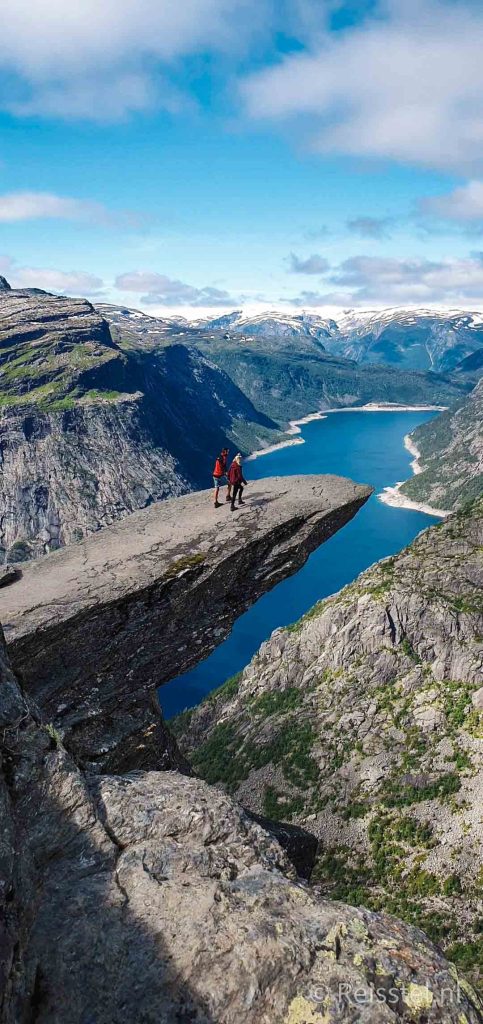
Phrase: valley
pixel 328 794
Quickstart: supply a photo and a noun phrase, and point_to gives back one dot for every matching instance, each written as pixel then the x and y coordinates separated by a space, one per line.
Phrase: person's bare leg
pixel 228 493
pixel 217 491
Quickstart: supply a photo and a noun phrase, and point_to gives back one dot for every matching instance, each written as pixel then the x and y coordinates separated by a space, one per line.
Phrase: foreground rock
pixel 152 898
pixel 364 722
pixel 450 463
pixel 147 599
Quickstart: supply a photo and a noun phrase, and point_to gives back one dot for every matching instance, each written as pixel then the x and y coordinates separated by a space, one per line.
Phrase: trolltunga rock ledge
pixel 93 629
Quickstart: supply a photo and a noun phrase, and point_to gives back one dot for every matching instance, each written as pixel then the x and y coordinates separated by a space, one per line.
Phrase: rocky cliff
pixel 450 462
pixel 152 897
pixel 146 599
pixel 364 722
pixel 90 431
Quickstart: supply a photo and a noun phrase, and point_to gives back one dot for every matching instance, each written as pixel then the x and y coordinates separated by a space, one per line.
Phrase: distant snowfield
pixel 342 315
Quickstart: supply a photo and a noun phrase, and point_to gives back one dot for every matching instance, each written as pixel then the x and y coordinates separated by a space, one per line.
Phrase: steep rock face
pixel 288 384
pixel 450 463
pixel 364 722
pixel 153 898
pixel 70 473
pixel 90 431
pixel 146 599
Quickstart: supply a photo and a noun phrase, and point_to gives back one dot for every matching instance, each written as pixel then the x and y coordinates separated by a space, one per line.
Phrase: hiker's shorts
pixel 220 481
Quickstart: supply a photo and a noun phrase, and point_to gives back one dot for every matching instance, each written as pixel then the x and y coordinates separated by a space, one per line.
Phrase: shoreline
pixel 294 428
pixel 392 495
pixel 416 454
pixel 294 425
pixel 388 407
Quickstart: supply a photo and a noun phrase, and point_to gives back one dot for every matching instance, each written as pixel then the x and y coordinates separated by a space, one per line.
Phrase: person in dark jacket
pixel 237 481
pixel 220 476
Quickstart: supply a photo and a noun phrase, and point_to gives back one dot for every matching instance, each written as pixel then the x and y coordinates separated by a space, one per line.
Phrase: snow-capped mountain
pixel 274 326
pixel 412 339
pixel 441 340
pixel 419 339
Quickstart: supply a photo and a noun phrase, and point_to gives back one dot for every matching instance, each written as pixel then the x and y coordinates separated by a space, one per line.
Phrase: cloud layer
pixel 464 205
pixel 371 280
pixel 74 282
pixel 158 290
pixel 405 85
pixel 102 60
pixel 370 227
pixel 21 206
pixel 314 264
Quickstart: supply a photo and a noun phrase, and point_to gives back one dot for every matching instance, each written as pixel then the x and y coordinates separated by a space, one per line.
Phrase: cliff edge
pixel 95 628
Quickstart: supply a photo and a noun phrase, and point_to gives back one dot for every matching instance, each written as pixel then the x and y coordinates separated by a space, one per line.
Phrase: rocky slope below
pixel 146 599
pixel 152 897
pixel 364 722
pixel 450 462
pixel 90 431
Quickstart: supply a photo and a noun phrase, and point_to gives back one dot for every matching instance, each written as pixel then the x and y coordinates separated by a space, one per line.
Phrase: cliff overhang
pixel 95 628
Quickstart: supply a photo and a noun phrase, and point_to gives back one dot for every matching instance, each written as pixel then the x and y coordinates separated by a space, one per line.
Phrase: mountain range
pixel 105 410
pixel 412 339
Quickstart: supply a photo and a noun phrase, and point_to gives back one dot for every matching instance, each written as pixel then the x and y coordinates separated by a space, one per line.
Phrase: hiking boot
pixel 228 497
pixel 241 501
pixel 217 504
pixel 232 508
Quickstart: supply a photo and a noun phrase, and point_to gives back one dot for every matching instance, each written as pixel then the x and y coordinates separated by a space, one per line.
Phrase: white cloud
pixel 463 205
pixel 99 98
pixel 74 282
pixel 405 85
pixel 165 291
pixel 370 280
pixel 370 227
pixel 100 60
pixel 313 264
pixel 19 206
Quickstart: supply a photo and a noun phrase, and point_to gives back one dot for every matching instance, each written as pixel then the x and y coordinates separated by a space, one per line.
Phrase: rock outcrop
pixel 364 723
pixel 91 430
pixel 152 897
pixel 147 599
pixel 450 463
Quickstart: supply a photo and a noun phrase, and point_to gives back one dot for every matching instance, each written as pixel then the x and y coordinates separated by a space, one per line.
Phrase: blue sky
pixel 225 153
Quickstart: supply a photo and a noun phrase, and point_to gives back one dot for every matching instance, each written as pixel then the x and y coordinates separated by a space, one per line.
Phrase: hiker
pixel 237 480
pixel 220 476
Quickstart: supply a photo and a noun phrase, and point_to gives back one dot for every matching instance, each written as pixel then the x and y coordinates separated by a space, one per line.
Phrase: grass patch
pixel 186 562
pixel 395 794
pixel 276 702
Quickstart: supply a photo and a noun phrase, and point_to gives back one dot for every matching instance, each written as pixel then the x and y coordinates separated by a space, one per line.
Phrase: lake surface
pixel 369 448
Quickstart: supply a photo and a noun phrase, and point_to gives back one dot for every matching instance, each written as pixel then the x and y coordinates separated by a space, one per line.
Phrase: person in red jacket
pixel 220 476
pixel 237 480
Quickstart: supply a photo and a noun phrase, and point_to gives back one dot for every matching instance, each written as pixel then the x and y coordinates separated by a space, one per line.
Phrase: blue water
pixel 369 448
